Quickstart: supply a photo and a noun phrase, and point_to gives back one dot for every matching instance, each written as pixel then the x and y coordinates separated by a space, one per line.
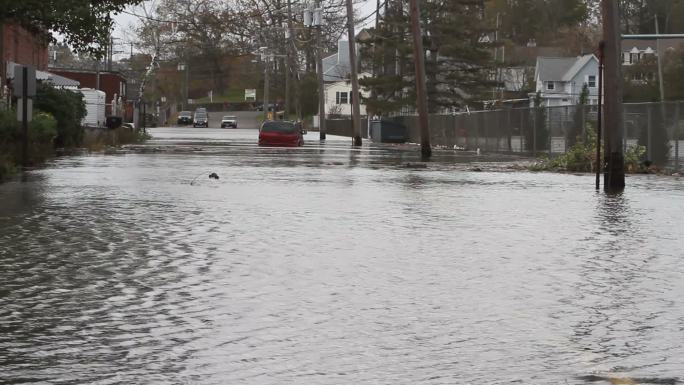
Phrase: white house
pixel 634 50
pixel 338 97
pixel 560 80
pixel 336 75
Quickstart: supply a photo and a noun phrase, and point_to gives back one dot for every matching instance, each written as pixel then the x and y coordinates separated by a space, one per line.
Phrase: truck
pixel 95 107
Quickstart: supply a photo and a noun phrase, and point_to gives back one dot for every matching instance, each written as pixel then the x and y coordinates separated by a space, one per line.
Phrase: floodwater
pixel 326 265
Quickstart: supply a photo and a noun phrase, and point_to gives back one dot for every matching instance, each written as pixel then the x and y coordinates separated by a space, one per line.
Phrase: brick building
pixel 17 45
pixel 110 82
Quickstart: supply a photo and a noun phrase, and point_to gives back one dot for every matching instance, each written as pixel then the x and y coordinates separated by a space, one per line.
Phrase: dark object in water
pixel 213 175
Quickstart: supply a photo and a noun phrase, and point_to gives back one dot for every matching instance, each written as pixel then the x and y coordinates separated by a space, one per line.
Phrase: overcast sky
pixel 125 23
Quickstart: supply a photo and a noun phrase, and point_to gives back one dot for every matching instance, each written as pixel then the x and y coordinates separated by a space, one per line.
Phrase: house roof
pixel 523 55
pixel 336 66
pixel 61 81
pixel 561 69
pixel 347 83
pixel 642 44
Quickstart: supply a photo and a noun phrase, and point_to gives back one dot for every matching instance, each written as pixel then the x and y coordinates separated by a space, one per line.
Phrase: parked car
pixel 229 121
pixel 201 120
pixel 271 107
pixel 185 117
pixel 280 133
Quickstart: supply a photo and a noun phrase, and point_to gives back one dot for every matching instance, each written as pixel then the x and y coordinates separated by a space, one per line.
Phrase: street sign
pixel 20 110
pixel 250 94
pixel 18 82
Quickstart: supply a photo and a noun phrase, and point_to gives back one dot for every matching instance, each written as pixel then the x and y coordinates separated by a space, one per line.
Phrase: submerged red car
pixel 280 133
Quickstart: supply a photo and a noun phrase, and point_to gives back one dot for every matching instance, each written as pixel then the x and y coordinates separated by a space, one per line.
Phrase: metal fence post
pixel 534 132
pixel 624 129
pixel 521 135
pixel 676 136
pixel 486 131
pixel 649 127
pixel 508 130
pixel 584 123
pixel 480 117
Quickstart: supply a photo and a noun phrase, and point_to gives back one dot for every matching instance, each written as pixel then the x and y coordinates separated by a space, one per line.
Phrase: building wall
pixel 20 46
pixel 578 81
pixel 110 83
pixel 331 99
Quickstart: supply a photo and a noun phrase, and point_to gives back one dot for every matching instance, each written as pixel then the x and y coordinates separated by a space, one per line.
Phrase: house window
pixel 550 86
pixel 591 81
pixel 341 98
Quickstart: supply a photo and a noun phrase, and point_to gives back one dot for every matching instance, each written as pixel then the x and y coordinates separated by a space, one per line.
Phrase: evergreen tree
pixel 574 133
pixel 458 62
pixel 537 138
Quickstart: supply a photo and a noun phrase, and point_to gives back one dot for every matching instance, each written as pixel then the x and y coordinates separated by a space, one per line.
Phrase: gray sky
pixel 125 23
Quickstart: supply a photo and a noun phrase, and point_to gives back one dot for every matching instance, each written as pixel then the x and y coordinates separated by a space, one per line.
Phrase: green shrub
pixel 43 128
pixel 68 108
pixel 581 157
pixel 9 127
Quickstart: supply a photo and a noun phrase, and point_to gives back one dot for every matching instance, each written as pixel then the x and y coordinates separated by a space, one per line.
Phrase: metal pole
pixel 660 69
pixel 599 120
pixel 649 133
pixel 614 177
pixel 356 112
pixel 187 84
pixel 24 116
pixel 97 75
pixel 287 62
pixel 676 136
pixel 421 90
pixel 321 87
pixel 266 87
pixel 534 132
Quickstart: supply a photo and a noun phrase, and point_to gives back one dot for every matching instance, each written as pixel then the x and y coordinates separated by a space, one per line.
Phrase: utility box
pixel 114 122
pixel 387 131
pixel 95 107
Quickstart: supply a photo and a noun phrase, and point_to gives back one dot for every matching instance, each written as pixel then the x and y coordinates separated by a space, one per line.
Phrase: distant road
pixel 246 119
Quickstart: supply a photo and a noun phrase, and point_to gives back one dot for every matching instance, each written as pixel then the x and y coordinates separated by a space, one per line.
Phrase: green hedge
pixel 42 133
pixel 68 108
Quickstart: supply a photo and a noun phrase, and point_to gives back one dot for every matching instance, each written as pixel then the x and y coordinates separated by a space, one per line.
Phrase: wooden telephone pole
pixel 421 90
pixel 355 96
pixel 614 177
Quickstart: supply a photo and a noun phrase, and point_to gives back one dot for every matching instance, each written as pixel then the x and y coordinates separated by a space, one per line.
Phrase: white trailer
pixel 95 107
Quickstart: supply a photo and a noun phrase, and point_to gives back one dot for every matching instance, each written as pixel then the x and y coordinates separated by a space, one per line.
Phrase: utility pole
pixel 24 116
pixel 321 85
pixel 110 57
pixel 287 61
pixel 266 86
pixel 614 177
pixel 315 19
pixel 660 67
pixel 97 74
pixel 421 91
pixel 356 112
pixel 599 120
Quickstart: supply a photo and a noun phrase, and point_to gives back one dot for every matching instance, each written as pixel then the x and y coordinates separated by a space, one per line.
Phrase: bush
pixel 581 157
pixel 537 138
pixel 68 108
pixel 42 132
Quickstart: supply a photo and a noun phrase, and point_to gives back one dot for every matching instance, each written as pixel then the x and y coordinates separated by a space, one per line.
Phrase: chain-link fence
pixel 553 130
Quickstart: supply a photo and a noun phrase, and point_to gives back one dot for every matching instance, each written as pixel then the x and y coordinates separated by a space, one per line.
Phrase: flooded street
pixel 327 265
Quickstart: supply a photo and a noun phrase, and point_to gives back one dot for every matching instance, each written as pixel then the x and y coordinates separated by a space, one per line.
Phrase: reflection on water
pixel 325 265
